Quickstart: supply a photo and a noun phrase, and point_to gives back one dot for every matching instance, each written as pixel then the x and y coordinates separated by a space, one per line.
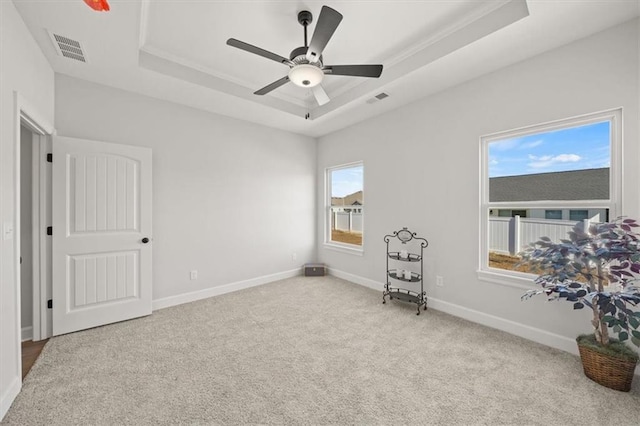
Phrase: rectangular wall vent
pixel 378 97
pixel 68 48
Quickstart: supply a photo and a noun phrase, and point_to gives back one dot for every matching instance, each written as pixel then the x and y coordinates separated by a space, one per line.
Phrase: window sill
pixel 344 249
pixel 520 281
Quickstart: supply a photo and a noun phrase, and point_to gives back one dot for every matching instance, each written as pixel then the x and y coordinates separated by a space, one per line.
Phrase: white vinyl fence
pixel 346 221
pixel 509 235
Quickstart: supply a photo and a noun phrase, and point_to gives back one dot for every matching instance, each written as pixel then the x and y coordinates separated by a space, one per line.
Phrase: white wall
pixel 231 199
pixel 436 141
pixel 25 70
pixel 26 231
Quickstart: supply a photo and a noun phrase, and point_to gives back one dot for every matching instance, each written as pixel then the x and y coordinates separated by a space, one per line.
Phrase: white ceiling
pixel 176 49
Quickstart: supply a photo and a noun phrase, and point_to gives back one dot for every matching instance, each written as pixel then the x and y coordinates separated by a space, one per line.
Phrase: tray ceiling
pixel 176 50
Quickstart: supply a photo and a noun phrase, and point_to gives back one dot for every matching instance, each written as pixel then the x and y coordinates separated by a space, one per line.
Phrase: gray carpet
pixel 309 351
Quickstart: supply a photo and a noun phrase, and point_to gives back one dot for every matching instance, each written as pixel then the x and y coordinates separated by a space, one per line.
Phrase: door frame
pixel 41 255
pixel 29 116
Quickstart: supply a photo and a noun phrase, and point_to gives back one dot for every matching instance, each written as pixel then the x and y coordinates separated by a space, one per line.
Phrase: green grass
pixel 614 348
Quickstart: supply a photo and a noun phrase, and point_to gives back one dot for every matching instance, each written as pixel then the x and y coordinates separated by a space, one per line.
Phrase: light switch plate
pixel 7 231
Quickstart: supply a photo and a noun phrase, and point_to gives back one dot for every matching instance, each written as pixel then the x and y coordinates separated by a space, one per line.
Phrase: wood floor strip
pixel 30 352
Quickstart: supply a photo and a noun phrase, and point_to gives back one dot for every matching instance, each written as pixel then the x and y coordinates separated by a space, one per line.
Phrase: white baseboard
pixel 27 333
pixel 9 396
pixel 530 333
pixel 375 285
pixel 179 299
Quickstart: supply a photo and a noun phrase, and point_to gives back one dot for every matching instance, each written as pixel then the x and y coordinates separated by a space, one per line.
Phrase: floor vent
pixel 378 97
pixel 68 48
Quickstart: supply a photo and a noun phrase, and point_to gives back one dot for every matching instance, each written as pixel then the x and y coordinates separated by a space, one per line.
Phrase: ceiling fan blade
pixel 326 26
pixel 266 89
pixel 258 51
pixel 320 95
pixel 354 70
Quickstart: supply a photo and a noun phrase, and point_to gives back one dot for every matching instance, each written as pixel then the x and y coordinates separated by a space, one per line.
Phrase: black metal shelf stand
pixel 396 291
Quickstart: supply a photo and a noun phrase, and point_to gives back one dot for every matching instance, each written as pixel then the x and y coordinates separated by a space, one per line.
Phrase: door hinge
pixel 50 304
pixel 50 158
pixel 49 230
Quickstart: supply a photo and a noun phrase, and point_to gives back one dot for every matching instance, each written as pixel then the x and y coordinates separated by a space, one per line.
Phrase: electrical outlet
pixel 193 275
pixel 439 281
pixel 294 256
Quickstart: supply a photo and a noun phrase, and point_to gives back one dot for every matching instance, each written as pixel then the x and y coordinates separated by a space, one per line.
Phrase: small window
pixel 345 188
pixel 512 213
pixel 553 214
pixel 578 214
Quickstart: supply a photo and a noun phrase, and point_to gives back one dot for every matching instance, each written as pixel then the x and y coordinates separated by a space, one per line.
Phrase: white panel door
pixel 101 233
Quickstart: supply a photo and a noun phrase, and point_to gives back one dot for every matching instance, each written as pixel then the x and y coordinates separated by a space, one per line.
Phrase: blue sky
pixel 584 147
pixel 346 181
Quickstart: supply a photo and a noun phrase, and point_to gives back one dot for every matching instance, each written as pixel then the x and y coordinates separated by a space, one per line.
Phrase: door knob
pixel 145 240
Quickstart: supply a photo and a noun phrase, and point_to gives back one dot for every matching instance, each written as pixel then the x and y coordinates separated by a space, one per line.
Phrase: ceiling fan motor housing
pixel 299 56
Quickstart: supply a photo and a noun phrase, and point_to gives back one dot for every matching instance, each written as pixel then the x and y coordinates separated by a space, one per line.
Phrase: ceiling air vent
pixel 68 48
pixel 378 97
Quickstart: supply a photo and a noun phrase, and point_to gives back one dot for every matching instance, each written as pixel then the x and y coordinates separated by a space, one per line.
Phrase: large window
pixel 544 180
pixel 345 205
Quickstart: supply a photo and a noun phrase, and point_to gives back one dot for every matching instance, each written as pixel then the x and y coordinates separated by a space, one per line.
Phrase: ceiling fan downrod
pixel 305 18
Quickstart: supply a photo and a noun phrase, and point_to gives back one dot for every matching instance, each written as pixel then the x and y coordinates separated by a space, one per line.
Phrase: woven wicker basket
pixel 614 373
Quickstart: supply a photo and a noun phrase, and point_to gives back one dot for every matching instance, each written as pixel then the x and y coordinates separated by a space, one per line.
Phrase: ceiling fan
pixel 306 66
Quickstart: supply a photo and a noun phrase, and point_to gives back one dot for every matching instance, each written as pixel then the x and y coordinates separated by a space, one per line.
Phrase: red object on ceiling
pixel 99 5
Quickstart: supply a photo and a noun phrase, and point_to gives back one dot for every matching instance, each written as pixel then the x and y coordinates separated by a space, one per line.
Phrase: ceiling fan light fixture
pixel 305 75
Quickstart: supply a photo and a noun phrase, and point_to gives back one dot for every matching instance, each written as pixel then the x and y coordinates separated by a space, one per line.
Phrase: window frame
pixel 614 203
pixel 336 245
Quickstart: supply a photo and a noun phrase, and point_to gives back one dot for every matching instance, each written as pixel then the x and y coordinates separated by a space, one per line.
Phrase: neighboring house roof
pixel 352 198
pixel 589 184
pixel 348 200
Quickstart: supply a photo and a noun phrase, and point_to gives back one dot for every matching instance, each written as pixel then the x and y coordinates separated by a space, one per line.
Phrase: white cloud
pixel 515 143
pixel 531 144
pixel 504 145
pixel 549 160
